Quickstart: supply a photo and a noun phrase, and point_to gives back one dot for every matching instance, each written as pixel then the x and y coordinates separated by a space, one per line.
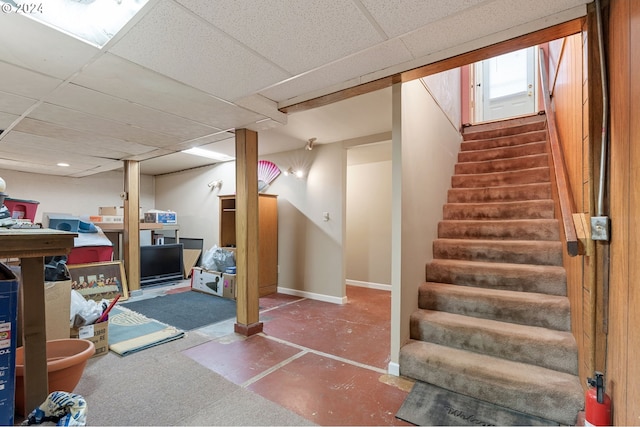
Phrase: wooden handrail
pixel 565 197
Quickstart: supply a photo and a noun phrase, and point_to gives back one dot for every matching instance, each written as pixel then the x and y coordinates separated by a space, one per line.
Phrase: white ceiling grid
pixel 187 73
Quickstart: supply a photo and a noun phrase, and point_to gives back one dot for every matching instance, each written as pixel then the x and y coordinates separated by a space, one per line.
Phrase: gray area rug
pixel 185 310
pixel 428 405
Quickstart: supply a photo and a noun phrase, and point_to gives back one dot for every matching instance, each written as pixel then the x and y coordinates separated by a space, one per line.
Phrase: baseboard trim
pixel 313 296
pixel 372 285
pixel 393 368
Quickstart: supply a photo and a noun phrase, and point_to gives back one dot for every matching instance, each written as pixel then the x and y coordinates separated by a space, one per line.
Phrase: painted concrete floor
pixel 324 361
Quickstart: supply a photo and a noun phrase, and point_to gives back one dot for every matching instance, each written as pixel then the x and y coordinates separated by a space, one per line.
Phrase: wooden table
pixel 31 246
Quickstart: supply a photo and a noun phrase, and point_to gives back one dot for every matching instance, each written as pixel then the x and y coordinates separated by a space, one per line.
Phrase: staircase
pixel 493 320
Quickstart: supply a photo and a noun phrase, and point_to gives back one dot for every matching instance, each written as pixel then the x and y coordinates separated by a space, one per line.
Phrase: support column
pixel 131 232
pixel 247 233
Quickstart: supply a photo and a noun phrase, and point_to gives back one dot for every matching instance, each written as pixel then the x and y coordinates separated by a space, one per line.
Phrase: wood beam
pixel 538 37
pixel 131 231
pixel 247 298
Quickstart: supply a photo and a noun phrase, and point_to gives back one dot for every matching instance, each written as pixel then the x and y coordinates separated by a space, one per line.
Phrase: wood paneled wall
pixel 571 102
pixel 623 339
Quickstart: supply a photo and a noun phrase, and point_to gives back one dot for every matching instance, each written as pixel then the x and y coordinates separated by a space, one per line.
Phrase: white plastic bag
pixel 84 312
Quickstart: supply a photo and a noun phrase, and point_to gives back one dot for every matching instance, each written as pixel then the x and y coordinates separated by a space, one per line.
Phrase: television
pixel 188 243
pixel 160 264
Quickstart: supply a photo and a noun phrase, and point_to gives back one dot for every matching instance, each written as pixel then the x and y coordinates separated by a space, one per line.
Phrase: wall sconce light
pixel 298 173
pixel 215 185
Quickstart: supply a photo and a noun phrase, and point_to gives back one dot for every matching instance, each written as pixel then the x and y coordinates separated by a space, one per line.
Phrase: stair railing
pixel 565 197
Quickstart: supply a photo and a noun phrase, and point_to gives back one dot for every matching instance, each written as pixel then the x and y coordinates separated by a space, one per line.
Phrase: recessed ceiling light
pixel 196 151
pixel 64 165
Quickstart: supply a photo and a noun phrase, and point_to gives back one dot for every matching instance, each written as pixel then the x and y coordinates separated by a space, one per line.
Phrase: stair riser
pixel 538 253
pixel 538 209
pixel 500 194
pixel 503 165
pixel 541 310
pixel 504 141
pixel 556 397
pixel 551 282
pixel 557 352
pixel 544 229
pixel 506 128
pixel 498 179
pixel 503 153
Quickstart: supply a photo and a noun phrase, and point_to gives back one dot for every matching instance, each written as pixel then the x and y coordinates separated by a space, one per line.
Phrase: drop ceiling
pixel 187 73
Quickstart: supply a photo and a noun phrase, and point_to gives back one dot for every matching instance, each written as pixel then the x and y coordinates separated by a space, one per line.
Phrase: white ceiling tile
pixel 31 141
pixel 34 46
pixel 15 104
pixel 33 167
pixel 14 147
pixel 91 139
pixel 80 121
pixel 355 66
pixel 124 79
pixel 6 120
pixel 174 42
pixel 112 108
pixel 297 35
pixel 503 15
pixel 415 13
pixel 24 82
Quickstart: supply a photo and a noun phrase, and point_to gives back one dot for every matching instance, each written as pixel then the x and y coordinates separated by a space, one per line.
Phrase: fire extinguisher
pixel 597 403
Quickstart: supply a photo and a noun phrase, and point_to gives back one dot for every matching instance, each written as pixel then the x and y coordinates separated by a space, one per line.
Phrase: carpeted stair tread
pixel 504 141
pixel 539 252
pixel 545 279
pixel 525 308
pixel 526 388
pixel 502 165
pixel 503 152
pixel 508 229
pixel 520 343
pixel 522 209
pixel 504 127
pixel 506 193
pixel 497 179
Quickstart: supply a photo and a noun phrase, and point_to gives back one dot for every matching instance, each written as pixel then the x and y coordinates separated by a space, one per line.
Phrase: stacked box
pixel 22 209
pixel 98 334
pixel 8 342
pixel 161 217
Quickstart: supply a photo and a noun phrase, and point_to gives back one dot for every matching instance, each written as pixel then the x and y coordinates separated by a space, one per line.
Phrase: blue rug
pixel 131 332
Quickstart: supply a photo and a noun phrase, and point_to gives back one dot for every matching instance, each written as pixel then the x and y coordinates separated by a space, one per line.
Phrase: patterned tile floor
pixel 324 361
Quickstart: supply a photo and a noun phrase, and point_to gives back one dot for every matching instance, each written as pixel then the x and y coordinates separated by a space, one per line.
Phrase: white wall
pixel 368 231
pixel 425 151
pixel 76 196
pixel 310 250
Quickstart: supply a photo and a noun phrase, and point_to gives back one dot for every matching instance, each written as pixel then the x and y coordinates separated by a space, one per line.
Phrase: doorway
pixel 505 85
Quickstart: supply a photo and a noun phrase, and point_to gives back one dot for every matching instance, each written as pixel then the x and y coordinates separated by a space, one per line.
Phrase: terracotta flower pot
pixel 66 359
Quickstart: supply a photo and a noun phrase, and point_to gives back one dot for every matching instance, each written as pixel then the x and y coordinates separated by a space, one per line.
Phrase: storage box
pixel 57 308
pixel 229 286
pixel 161 217
pixel 97 333
pixel 87 254
pixel 210 282
pixel 112 218
pixel 8 343
pixel 111 210
pixel 64 223
pixel 22 209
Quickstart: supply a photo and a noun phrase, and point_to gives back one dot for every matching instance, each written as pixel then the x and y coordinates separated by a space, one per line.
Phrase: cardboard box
pixel 111 210
pixel 229 286
pixel 207 281
pixel 8 343
pixel 112 218
pixel 97 333
pixel 57 300
pixel 161 217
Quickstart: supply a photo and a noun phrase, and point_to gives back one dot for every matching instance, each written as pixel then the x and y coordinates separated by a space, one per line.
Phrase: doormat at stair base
pixel 428 405
pixel 131 332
